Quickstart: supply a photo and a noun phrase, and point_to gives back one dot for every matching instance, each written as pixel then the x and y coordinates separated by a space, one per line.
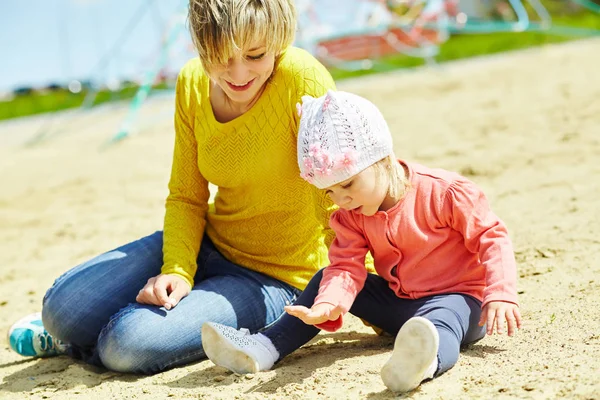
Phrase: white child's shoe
pixel 414 358
pixel 238 351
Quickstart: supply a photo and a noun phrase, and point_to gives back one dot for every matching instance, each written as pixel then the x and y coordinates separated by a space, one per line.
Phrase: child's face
pixel 364 193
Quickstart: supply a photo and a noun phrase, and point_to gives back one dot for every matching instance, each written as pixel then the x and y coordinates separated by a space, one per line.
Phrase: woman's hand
pixel 500 314
pixel 164 290
pixel 316 315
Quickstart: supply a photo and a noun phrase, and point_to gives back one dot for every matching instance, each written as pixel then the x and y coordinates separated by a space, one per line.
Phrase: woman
pixel 237 261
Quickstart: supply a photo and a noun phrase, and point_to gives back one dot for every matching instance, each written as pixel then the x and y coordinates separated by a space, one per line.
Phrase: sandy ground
pixel 525 126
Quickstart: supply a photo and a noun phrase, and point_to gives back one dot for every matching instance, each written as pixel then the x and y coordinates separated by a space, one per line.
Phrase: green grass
pixel 61 99
pixel 458 47
pixel 28 104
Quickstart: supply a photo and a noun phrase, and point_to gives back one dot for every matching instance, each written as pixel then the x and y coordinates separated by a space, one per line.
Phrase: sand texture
pixel 525 126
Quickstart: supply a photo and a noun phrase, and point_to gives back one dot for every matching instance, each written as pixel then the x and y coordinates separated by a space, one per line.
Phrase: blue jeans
pixel 92 307
pixel 455 316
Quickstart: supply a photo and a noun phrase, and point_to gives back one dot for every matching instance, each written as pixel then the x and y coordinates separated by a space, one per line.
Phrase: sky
pixel 56 41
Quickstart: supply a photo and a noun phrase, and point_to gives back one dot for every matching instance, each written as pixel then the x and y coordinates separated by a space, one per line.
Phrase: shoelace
pixel 46 341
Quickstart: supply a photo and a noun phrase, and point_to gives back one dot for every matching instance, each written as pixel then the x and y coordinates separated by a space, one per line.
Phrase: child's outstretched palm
pixel 500 314
pixel 316 315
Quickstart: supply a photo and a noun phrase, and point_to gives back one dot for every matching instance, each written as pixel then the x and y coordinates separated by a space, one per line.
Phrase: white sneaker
pixel 414 358
pixel 238 351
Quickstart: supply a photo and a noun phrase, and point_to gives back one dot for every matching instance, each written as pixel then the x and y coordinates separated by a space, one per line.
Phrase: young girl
pixel 445 263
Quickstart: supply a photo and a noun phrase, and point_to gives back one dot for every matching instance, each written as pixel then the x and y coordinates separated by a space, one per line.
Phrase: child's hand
pixel 500 313
pixel 318 314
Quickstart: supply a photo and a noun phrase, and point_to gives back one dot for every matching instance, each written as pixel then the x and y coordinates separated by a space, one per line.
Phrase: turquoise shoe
pixel 28 337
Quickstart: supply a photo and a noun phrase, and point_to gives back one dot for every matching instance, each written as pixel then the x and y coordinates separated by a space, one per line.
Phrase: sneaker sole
pixel 224 353
pixel 415 348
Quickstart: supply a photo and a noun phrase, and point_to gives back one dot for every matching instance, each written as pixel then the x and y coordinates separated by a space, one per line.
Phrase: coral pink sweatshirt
pixel 441 237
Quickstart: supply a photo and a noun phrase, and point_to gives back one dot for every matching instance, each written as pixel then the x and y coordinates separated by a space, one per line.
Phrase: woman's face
pixel 243 77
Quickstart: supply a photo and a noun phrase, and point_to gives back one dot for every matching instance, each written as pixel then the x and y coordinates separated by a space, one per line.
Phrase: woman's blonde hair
pixel 220 27
pixel 391 169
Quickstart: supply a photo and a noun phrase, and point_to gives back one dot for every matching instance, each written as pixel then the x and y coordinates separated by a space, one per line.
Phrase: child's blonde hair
pixel 389 168
pixel 221 27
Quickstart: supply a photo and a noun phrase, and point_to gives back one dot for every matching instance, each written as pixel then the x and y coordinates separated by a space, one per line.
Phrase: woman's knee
pixel 82 300
pixel 141 339
pixel 121 343
pixel 62 310
pixel 57 321
pixel 73 299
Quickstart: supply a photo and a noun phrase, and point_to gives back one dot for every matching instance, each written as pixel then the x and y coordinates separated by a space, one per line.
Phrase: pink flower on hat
pixel 324 158
pixel 319 162
pixel 308 164
pixel 347 159
pixel 314 149
pixel 323 171
pixel 326 103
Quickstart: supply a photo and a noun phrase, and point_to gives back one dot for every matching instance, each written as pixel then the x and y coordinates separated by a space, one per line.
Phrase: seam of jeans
pixel 292 293
pixel 114 318
pixel 56 282
pixel 292 300
pixel 264 328
pixel 439 364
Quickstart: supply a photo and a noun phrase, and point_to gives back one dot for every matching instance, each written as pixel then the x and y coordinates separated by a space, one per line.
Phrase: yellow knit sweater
pixel 264 216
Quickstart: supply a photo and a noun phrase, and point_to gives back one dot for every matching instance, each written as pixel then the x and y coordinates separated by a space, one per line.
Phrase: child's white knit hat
pixel 341 134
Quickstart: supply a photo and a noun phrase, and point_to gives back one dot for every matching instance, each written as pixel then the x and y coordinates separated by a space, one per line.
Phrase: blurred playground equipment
pixel 356 36
pixel 371 29
pixel 156 73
